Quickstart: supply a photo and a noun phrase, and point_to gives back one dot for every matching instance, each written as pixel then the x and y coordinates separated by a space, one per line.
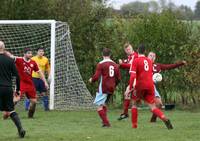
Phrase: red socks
pixel 134 112
pixel 159 113
pixel 105 110
pixel 102 115
pixel 126 106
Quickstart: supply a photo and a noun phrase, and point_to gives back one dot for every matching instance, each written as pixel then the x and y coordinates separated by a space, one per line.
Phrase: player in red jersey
pixel 125 64
pixel 141 69
pixel 25 67
pixel 157 68
pixel 108 74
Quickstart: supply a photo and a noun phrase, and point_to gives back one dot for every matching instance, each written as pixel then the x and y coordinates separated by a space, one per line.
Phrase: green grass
pixel 86 126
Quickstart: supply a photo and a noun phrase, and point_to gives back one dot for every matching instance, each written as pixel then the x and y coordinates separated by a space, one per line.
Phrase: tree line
pixel 182 12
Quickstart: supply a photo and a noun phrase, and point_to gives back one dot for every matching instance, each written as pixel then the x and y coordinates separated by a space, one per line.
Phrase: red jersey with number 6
pixel 25 69
pixel 143 68
pixel 107 71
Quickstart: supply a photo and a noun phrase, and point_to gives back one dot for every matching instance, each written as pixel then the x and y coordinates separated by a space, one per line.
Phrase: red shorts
pixel 145 94
pixel 28 89
pixel 30 94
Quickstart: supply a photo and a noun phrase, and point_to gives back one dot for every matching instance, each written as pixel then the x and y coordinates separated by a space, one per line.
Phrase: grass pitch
pixel 86 126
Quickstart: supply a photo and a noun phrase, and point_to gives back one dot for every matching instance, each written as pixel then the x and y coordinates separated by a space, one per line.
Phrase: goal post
pixel 53 36
pixel 67 89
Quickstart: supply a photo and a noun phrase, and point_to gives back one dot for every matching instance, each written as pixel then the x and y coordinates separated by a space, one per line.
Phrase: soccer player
pixel 126 65
pixel 44 66
pixel 108 74
pixel 25 67
pixel 157 68
pixel 141 69
pixel 7 70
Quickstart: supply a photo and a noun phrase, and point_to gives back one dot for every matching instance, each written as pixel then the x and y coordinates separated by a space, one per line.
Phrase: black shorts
pixel 6 99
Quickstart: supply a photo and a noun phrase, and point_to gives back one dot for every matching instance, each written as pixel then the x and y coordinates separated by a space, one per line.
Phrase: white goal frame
pixel 52 50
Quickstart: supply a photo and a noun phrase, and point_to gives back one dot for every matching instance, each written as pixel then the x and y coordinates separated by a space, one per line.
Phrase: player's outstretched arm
pixel 124 65
pixel 10 55
pixel 171 66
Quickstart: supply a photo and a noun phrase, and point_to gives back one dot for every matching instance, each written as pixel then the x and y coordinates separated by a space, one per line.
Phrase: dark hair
pixel 40 48
pixel 141 49
pixel 106 52
pixel 26 50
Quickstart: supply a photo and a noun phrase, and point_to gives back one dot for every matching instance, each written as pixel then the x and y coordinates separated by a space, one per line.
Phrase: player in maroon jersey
pixel 25 67
pixel 108 74
pixel 125 64
pixel 141 69
pixel 157 68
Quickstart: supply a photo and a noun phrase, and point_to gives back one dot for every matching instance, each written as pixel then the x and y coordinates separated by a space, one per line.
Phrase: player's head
pixel 128 48
pixel 141 49
pixel 27 53
pixel 152 56
pixel 2 46
pixel 40 51
pixel 106 52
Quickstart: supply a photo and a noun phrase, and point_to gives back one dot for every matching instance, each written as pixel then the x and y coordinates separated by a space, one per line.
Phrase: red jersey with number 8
pixel 143 68
pixel 107 71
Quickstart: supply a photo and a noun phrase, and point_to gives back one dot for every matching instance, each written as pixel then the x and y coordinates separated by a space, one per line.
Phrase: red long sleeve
pixel 125 66
pixel 170 66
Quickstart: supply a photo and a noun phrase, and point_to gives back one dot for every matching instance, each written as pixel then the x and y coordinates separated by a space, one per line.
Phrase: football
pixel 157 77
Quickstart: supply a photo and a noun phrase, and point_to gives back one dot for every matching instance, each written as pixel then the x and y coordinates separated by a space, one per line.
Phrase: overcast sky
pixel 117 3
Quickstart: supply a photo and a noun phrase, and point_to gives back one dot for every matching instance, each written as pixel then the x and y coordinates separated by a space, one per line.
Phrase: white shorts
pixel 100 99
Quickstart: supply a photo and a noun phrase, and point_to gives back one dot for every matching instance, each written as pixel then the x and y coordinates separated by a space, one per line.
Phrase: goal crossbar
pixel 27 21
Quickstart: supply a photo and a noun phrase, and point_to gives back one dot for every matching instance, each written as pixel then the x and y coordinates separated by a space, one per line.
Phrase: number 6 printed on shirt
pixel 111 71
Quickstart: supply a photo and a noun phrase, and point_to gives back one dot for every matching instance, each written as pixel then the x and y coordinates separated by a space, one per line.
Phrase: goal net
pixel 67 89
